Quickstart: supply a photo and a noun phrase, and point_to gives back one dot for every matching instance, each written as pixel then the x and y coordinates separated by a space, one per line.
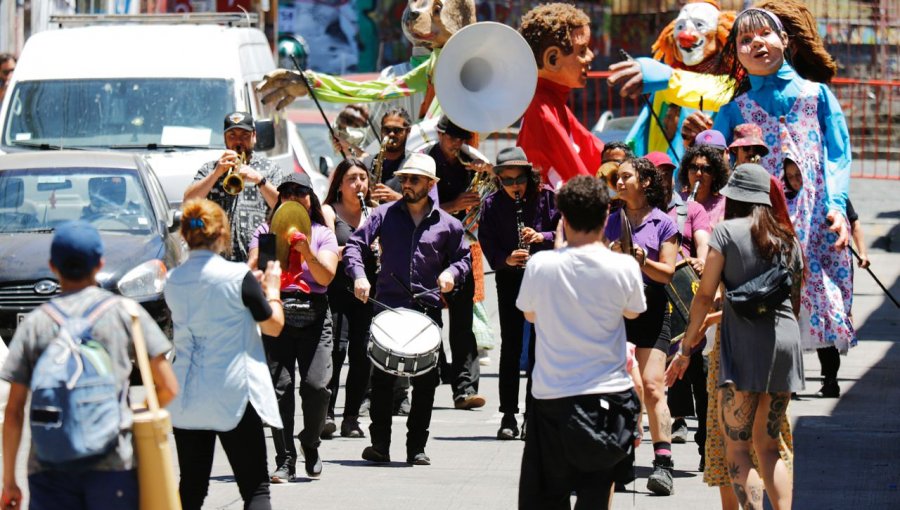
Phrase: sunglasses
pixel 512 181
pixel 699 168
pixel 412 179
pixel 394 130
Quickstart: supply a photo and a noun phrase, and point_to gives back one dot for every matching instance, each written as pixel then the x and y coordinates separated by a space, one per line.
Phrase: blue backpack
pixel 75 404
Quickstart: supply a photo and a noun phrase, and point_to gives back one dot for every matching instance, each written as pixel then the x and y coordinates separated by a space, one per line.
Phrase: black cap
pixel 296 178
pixel 446 126
pixel 239 120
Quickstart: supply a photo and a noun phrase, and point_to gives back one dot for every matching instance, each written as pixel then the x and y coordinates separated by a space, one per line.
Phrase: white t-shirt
pixel 579 296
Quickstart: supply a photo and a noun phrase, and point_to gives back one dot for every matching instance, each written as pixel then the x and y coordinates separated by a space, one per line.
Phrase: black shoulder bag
pixel 761 295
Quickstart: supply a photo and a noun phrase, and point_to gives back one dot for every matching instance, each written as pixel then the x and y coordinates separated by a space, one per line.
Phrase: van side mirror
pixel 174 220
pixel 265 135
pixel 325 165
pixel 12 193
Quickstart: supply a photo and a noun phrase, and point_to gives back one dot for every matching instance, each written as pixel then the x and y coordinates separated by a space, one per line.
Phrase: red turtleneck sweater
pixel 553 139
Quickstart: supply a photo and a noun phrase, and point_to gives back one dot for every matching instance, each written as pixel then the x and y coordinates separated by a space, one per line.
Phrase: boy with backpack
pixel 74 355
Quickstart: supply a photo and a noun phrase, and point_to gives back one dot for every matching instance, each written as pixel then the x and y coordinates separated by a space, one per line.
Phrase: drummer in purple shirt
pixel 654 236
pixel 423 254
pixel 502 240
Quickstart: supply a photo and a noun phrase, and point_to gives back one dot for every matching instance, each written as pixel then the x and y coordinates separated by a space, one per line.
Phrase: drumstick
pixel 379 303
pixel 426 292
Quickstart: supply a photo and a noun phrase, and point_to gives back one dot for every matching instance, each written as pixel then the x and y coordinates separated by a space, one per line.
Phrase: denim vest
pixel 219 358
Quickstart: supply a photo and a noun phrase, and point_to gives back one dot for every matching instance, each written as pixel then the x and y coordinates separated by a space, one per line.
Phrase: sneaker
pixel 660 481
pixel 283 474
pixel 829 389
pixel 311 460
pixel 419 459
pixel 402 409
pixel 329 429
pixel 472 401
pixel 372 455
pixel 509 428
pixel 679 431
pixel 350 427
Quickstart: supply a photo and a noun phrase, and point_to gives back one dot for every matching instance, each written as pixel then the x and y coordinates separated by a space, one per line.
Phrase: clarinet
pixel 520 224
pixel 376 245
pixel 694 191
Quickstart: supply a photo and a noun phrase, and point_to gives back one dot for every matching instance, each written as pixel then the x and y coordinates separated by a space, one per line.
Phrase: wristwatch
pixel 262 182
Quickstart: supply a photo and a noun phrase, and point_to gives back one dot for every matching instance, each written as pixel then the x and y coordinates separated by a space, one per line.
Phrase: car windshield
pixel 119 113
pixel 111 199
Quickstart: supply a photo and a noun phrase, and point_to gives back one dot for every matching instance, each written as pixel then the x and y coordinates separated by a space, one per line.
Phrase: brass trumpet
pixel 233 183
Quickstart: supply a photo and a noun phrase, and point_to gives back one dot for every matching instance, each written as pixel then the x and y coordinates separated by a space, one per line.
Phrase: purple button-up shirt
pixel 416 255
pixel 497 229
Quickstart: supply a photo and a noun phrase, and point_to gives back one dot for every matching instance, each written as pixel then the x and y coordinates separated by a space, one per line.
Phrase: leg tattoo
pixel 740 412
pixel 777 408
pixel 734 470
pixel 740 493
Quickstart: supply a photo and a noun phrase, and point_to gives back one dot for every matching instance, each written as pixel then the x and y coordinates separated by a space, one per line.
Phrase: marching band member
pixel 558 145
pixel 515 220
pixel 249 207
pixel 351 318
pixel 421 246
pixel 639 185
pixel 306 340
pixel 455 196
pixel 395 126
pixel 688 396
pixel 704 163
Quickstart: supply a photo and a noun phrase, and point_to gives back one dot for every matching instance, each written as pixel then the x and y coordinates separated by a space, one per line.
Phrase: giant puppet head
pixel 430 23
pixel 695 37
pixel 559 36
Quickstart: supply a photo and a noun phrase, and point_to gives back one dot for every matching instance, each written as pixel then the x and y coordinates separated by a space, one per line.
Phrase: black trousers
pixel 351 321
pixel 830 359
pixel 421 404
pixel 245 446
pixel 309 349
pixel 512 326
pixel 688 396
pixel 464 369
pixel 563 452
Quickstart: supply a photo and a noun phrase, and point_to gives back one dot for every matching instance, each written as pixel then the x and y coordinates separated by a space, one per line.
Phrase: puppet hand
pixel 283 86
pixel 838 225
pixel 693 125
pixel 629 73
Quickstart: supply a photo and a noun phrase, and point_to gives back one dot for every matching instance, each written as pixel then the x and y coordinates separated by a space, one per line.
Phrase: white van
pixel 146 84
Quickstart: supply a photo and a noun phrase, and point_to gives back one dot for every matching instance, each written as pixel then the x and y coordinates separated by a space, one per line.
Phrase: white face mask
pixel 692 26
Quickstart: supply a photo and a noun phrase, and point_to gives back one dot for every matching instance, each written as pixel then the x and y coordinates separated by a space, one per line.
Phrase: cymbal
pixel 289 218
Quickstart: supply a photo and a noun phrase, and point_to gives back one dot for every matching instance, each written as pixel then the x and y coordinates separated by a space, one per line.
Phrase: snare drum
pixel 404 342
pixel 681 293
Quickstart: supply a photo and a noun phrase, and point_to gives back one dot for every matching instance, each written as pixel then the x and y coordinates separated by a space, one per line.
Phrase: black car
pixel 115 192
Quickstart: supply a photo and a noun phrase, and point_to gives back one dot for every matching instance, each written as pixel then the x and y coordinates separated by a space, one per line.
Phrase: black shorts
pixel 650 330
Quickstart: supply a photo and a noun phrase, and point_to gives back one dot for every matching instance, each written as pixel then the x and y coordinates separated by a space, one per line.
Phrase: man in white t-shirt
pixel 585 408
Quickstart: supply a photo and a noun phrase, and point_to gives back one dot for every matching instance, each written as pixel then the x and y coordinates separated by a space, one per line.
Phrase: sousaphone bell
pixel 485 77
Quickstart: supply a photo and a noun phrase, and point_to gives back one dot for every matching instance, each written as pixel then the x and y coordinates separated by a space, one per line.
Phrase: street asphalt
pixel 847 449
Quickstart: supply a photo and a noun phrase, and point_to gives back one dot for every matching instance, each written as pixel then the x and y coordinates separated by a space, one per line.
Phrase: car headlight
pixel 147 279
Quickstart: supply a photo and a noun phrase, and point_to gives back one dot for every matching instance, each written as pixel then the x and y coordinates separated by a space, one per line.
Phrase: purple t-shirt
pixel 715 208
pixel 696 219
pixel 656 228
pixel 322 238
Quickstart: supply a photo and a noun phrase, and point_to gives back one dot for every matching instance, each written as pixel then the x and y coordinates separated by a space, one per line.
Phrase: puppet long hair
pixel 808 54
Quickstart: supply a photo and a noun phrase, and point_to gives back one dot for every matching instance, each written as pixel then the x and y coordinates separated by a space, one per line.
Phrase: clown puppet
pixel 554 140
pixel 686 70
